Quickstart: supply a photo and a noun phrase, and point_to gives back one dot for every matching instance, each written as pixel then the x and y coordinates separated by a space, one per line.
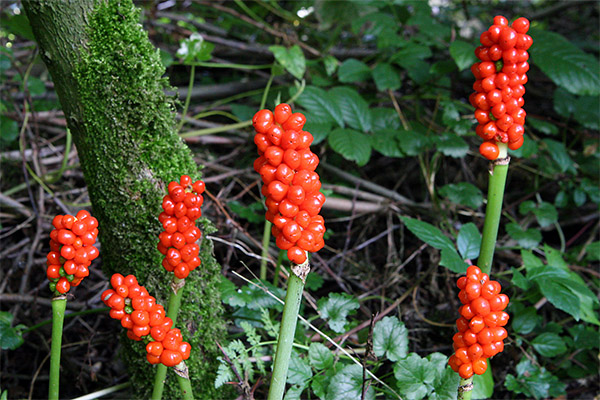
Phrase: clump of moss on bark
pixel 129 152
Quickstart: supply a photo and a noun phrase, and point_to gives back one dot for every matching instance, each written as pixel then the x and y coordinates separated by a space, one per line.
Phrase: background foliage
pixel 384 87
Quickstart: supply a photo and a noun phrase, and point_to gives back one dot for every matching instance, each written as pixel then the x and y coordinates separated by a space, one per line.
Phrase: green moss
pixel 129 152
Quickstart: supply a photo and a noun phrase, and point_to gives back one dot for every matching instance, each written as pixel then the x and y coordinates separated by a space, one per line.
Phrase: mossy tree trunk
pixel 108 77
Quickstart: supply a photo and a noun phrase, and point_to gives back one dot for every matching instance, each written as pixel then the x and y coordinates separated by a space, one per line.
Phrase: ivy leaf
pixel 428 233
pixel 452 145
pixel 386 142
pixel 353 70
pixel 351 144
pixel 335 308
pixel 386 77
pixel 348 384
pixel 195 49
pixel 527 239
pixel 320 356
pixel 469 241
pixel 463 193
pixel 549 344
pixel 355 109
pixel 390 338
pixel 320 105
pixel 230 294
pixel 10 337
pixel 462 53
pixel 291 59
pixel 444 388
pixel 566 64
pixel 299 372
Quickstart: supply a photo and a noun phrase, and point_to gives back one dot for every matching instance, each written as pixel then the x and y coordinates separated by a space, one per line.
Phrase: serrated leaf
pixel 560 295
pixel 384 118
pixel 559 154
pixel 519 280
pixel 335 308
pixel 291 59
pixel 355 109
pixel 428 233
pixel 413 377
pixel 527 239
pixel 320 356
pixel 353 70
pixel 463 54
pixel 463 193
pixel 299 372
pixel 386 77
pixel 351 144
pixel 564 63
pixel 469 241
pixel 452 145
pixel 390 338
pixel 413 143
pixel 348 384
pixel 451 260
pixel 549 344
pixel 386 142
pixel 319 131
pixel 314 281
pixel 534 381
pixel 320 105
pixel 526 320
pixel 10 337
pixel 411 55
pixel 230 294
pixel 544 212
pixel 331 64
pixel 444 388
pixel 586 337
pixel 294 393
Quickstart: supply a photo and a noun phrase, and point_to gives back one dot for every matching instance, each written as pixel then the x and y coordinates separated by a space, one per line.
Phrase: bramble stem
pixel 59 305
pixel 293 298
pixel 172 311
pixel 493 211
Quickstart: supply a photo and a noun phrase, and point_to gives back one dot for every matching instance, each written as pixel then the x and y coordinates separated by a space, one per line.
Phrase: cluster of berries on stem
pixel 290 184
pixel 145 320
pixel 72 250
pixel 499 86
pixel 178 240
pixel 480 327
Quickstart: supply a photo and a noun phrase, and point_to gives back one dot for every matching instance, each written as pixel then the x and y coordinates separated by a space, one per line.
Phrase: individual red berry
pixel 296 255
pixel 521 25
pixel 295 122
pixel 479 366
pixel 262 121
pixel 170 358
pixel 466 370
pixel 489 150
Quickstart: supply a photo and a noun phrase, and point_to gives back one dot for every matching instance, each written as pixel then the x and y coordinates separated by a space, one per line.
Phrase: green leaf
pixel 559 154
pixel 386 77
pixel 36 86
pixel 331 64
pixel 519 280
pixel 351 144
pixel 314 281
pixel 335 308
pixel 412 143
pixel 463 54
pixel 10 337
pixel 527 239
pixel 376 24
pixel 549 344
pixel 593 251
pixel 483 385
pixel 587 111
pixel 348 384
pixel 428 233
pixel 534 381
pixel 528 149
pixel 585 337
pixel 560 295
pixel 291 59
pixel 444 388
pixel 253 213
pixel 10 129
pixel 299 371
pixel 564 102
pixel 195 49
pixel 463 193
pixel 411 55
pixel 294 393
pixel 414 378
pixel 564 63
pixel 384 118
pixel 451 260
pixel 385 141
pixel 390 338
pixel 544 212
pixel 452 145
pixel 353 70
pixel 318 130
pixel 469 241
pixel 526 320
pixel 230 294
pixel 355 109
pixel 320 106
pixel 542 126
pixel 320 356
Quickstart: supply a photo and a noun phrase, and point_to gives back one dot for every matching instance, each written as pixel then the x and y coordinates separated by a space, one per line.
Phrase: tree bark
pixel 108 78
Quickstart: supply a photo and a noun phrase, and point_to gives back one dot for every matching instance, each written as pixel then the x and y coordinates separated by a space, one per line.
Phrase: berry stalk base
pixel 59 304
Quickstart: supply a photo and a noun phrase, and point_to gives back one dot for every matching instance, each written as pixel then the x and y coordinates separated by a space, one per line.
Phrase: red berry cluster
pixel 480 327
pixel 71 250
pixel 145 320
pixel 290 184
pixel 499 86
pixel 178 240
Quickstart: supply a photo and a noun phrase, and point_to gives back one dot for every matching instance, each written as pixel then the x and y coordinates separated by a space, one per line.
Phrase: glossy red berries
pixel 178 240
pixel 499 90
pixel 72 250
pixel 481 326
pixel 290 185
pixel 145 320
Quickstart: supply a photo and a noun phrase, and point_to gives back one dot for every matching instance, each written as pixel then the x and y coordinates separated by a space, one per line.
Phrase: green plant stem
pixel 172 311
pixel 187 98
pixel 265 251
pixel 185 386
pixel 466 394
pixel 217 129
pixel 70 315
pixel 59 304
pixel 293 298
pixel 493 211
pixel 230 65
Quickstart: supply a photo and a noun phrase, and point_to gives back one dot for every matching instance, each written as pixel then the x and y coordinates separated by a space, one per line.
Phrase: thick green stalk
pixel 293 298
pixel 493 211
pixel 265 251
pixel 186 387
pixel 172 311
pixel 465 389
pixel 59 304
